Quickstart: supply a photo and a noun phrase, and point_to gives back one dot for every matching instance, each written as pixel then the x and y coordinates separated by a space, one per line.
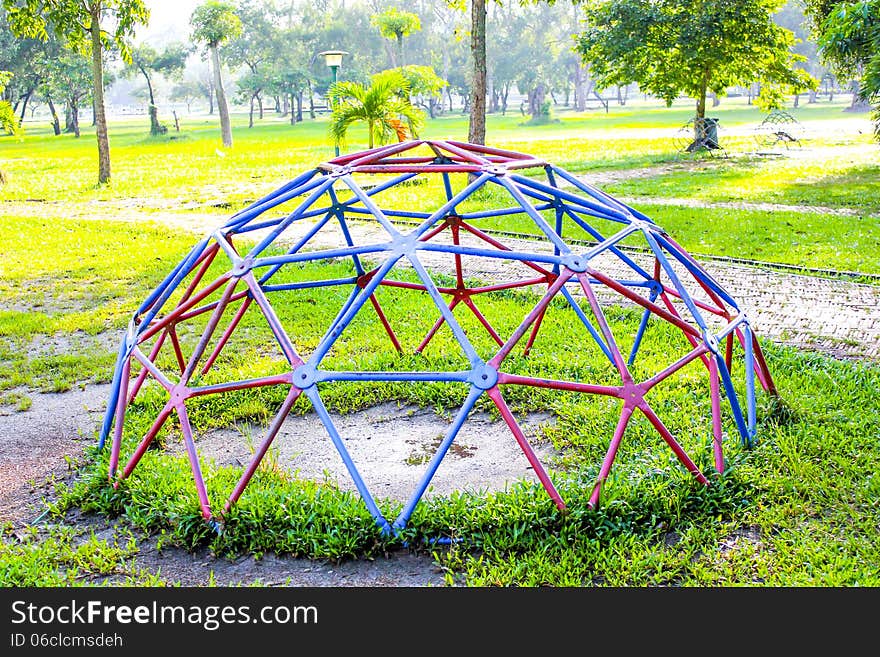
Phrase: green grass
pixel 800 508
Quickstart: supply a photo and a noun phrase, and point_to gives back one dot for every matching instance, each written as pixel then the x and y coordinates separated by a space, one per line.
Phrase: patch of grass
pixel 63 556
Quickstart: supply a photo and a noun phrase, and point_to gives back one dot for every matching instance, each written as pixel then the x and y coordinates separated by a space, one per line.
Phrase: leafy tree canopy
pixel 215 22
pixel 672 47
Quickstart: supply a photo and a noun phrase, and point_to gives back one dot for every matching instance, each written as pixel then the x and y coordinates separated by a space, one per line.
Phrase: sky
pixel 169 21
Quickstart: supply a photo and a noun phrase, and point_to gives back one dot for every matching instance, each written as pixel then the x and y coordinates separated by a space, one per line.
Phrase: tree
pixel 849 40
pixel 8 121
pixel 187 91
pixel 477 122
pixel 86 26
pixel 215 23
pixel 147 61
pixel 69 79
pixel 380 105
pixel 396 24
pixel 254 49
pixel 423 83
pixel 672 47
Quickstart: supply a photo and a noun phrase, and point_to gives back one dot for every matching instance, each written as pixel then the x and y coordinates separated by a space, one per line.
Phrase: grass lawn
pixel 800 508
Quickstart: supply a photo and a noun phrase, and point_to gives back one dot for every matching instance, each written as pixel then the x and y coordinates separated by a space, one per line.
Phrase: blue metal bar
pixel 600 238
pixel 451 433
pixel 182 273
pixel 461 377
pixel 498 213
pixel 312 393
pixel 696 271
pixel 346 305
pixel 293 216
pixel 304 184
pixel 340 217
pixel 587 323
pixel 309 284
pixel 733 400
pixel 337 327
pixel 319 255
pixel 609 213
pixel 641 332
pixel 598 194
pixel 372 207
pixel 534 214
pixel 447 186
pixel 390 213
pixel 309 235
pixel 450 204
pixel 489 253
pixel 191 257
pixel 434 293
pixel 750 382
pixel 115 386
pixel 685 296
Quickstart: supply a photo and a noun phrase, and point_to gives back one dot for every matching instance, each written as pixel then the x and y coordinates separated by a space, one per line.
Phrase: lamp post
pixel 333 59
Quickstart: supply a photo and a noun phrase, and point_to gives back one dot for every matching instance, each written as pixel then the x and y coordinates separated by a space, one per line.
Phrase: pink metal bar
pixel 415 168
pixel 513 284
pixel 435 231
pixel 514 379
pixel 436 327
pixel 502 247
pixel 273 320
pixel 181 361
pixel 459 276
pixel 534 333
pixel 619 362
pixel 384 151
pixel 150 366
pixel 717 433
pixel 721 312
pixel 227 334
pixel 194 461
pixel 676 448
pixel 524 445
pixel 698 352
pixel 120 419
pixel 257 458
pixel 142 375
pixel 277 379
pixel 463 153
pixel 147 439
pixel 199 351
pixel 208 307
pixel 485 322
pixel 654 308
pixel 564 275
pixel 610 455
pixel 480 148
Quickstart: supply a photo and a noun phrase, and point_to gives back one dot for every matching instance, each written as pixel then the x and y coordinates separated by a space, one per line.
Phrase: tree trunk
pixel 400 50
pixel 211 102
pixel 292 110
pixel 797 98
pixel 98 98
pixel 311 100
pixel 477 125
pixel 155 128
pixel 370 134
pixel 222 106
pixel 74 119
pixel 260 105
pixel 56 124
pixel 251 114
pixel 24 103
pixel 299 106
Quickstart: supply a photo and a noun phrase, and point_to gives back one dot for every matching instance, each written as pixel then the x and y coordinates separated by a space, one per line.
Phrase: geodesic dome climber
pixel 423 203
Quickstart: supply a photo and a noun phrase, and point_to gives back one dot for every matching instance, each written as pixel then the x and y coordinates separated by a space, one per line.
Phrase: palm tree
pixel 380 106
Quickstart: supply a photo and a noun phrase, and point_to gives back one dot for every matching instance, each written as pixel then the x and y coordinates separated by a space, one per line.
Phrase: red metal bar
pixel 181 361
pixel 463 153
pixel 676 448
pixel 489 150
pixel 142 375
pixel 728 353
pixel 767 383
pixel 534 334
pixel 704 306
pixel 147 439
pixel 619 362
pixel 209 331
pixel 654 308
pixel 512 285
pixel 564 275
pixel 459 277
pixel 257 458
pixel 415 168
pixel 227 334
pixel 524 445
pixel 435 231
pixel 277 379
pixel 485 322
pixel 175 315
pixel 210 306
pixel 385 323
pixel 384 151
pixel 608 461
